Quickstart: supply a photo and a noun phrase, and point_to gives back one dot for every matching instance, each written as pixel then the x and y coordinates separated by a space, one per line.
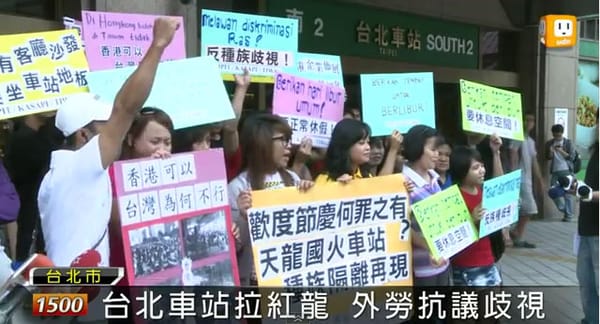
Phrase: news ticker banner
pixel 397 101
pixel 333 234
pixel 176 220
pixel 445 222
pixel 375 304
pixel 500 202
pixel 38 71
pixel 195 99
pixel 311 108
pixel 488 110
pixel 116 40
pixel 264 45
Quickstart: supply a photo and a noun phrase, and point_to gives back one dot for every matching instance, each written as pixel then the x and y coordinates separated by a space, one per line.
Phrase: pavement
pixel 551 267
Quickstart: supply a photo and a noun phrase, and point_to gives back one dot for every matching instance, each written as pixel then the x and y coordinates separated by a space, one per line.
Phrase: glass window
pixel 43 9
pixel 499 50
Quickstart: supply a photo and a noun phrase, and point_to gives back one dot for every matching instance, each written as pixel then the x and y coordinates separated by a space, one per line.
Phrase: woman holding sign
pixel 349 153
pixel 475 266
pixel 265 141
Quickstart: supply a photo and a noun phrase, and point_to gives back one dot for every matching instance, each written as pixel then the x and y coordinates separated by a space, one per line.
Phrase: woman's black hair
pixel 460 162
pixel 346 133
pixel 414 141
pixel 184 139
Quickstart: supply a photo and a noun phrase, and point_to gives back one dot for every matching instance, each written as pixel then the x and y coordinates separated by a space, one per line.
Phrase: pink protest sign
pixel 312 108
pixel 176 220
pixel 114 40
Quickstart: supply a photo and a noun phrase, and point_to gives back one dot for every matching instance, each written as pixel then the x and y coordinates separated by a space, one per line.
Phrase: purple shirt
pixel 422 189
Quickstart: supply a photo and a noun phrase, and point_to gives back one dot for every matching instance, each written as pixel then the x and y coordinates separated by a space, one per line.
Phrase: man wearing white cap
pixel 75 195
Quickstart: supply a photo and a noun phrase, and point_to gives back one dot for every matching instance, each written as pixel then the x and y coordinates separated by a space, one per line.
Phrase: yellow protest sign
pixel 490 110
pixel 333 235
pixel 445 222
pixel 39 70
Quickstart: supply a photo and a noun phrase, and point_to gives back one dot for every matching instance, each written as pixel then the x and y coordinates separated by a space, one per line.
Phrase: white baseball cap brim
pixel 79 110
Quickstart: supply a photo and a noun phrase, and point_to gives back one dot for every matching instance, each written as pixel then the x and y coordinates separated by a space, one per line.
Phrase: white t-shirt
pixel 559 162
pixel 75 200
pixel 527 155
pixel 238 184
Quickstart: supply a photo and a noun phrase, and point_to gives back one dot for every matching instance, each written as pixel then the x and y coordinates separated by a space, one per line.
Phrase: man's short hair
pixel 558 128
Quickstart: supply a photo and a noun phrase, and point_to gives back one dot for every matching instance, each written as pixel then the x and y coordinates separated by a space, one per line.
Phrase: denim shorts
pixel 476 276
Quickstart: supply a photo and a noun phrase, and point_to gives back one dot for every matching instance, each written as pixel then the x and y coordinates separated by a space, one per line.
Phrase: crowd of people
pixel 260 157
pixel 154 256
pixel 200 243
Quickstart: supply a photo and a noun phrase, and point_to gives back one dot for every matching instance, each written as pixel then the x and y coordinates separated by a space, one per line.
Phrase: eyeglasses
pixel 148 111
pixel 283 139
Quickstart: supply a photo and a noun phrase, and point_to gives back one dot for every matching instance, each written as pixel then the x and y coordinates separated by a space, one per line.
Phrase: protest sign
pixel 38 71
pixel 320 67
pixel 445 222
pixel 333 235
pixel 500 201
pixel 488 110
pixel 264 45
pixel 115 40
pixel 176 220
pixel 191 91
pixel 397 101
pixel 311 108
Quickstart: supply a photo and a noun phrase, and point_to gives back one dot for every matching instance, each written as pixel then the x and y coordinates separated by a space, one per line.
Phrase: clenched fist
pixel 163 31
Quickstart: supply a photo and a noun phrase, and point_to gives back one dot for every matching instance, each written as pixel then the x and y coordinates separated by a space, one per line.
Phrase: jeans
pixel 564 204
pixel 587 275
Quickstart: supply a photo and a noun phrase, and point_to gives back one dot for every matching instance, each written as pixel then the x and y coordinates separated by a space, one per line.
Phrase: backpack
pixel 9 199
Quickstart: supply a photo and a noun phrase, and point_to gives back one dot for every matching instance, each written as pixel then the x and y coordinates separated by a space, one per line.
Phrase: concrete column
pixel 557 89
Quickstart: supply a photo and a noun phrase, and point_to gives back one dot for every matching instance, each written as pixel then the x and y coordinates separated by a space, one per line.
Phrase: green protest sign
pixel 445 222
pixel 490 110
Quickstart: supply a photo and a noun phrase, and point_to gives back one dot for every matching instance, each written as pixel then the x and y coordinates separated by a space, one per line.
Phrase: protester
pixel 560 151
pixel 348 153
pixel 27 159
pixel 420 151
pixel 587 252
pixel 442 165
pixel 352 112
pixel 9 208
pixel 475 265
pixel 377 154
pixel 300 156
pixel 75 195
pixel 148 136
pixel 265 142
pixel 524 157
pixel 483 144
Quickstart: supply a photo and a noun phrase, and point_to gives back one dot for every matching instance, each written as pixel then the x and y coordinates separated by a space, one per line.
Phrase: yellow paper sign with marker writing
pixel 38 71
pixel 445 222
pixel 489 110
pixel 333 235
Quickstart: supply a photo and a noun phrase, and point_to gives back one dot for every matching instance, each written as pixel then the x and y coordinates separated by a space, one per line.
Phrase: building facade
pixel 494 42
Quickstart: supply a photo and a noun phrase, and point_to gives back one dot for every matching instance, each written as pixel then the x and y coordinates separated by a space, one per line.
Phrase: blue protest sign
pixel 191 91
pixel 264 45
pixel 500 201
pixel 397 101
pixel 320 67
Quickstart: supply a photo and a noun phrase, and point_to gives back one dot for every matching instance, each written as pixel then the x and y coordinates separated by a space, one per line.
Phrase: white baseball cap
pixel 79 110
